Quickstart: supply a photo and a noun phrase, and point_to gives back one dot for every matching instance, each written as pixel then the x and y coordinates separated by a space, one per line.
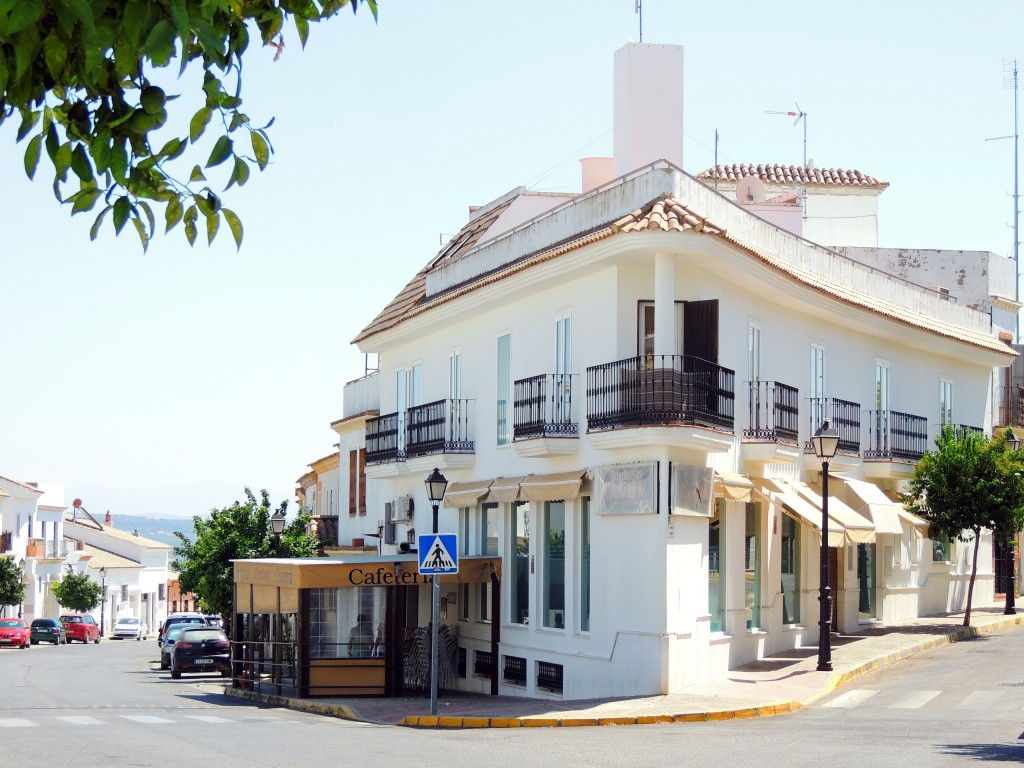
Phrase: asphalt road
pixel 110 705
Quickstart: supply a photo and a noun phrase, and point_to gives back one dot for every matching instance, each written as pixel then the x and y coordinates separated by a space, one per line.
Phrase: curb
pixel 769 710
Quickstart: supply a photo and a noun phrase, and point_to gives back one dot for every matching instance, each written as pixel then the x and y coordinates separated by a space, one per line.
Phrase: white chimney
pixel 597 171
pixel 648 106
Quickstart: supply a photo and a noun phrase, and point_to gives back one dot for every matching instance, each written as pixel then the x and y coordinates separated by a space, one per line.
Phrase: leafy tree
pixel 239 532
pixel 968 484
pixel 77 592
pixel 12 588
pixel 80 73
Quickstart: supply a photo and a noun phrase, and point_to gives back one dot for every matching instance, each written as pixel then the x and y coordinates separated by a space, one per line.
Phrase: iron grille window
pixel 515 670
pixel 483 662
pixel 549 676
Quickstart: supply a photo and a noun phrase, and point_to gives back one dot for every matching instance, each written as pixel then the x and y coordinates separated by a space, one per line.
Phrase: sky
pixel 164 383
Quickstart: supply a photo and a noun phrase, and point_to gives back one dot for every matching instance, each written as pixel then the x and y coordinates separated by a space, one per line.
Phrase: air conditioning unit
pixel 401 509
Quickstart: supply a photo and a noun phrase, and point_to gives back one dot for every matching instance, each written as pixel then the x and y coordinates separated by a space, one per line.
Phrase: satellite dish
pixel 750 189
pixel 76 503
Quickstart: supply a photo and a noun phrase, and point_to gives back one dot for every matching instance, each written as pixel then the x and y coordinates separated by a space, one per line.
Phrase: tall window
pixel 753 352
pixel 584 555
pixel 752 564
pixel 881 425
pixel 408 393
pixel 645 327
pixel 464 543
pixel 945 402
pixel 790 570
pixel 519 540
pixel 489 521
pixel 504 388
pixel 563 368
pixel 866 580
pixel 455 386
pixel 716 574
pixel 817 384
pixel 554 565
pixel 357 482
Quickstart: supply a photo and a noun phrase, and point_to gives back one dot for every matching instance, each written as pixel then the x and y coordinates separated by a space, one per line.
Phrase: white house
pixel 620 387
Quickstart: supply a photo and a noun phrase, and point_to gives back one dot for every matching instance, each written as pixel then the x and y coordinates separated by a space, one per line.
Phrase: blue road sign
pixel 439 553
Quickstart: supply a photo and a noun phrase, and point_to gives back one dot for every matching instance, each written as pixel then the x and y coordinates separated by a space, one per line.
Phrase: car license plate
pixel 204 661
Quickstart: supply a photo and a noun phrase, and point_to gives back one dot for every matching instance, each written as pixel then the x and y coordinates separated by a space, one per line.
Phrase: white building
pixel 620 387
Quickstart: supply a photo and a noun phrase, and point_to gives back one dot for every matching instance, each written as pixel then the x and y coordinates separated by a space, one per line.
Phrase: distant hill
pixel 157 528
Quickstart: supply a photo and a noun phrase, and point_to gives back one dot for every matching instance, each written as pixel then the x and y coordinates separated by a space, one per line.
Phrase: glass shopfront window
pixel 584 554
pixel 716 558
pixel 752 564
pixel 346 623
pixel 866 581
pixel 489 522
pixel 519 584
pixel 790 570
pixel 554 565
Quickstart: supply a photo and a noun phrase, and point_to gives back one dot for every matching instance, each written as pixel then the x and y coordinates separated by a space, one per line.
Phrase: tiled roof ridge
pixel 775 173
pixel 667 214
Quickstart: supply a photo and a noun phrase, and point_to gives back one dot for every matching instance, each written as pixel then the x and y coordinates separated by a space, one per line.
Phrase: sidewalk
pixel 773 686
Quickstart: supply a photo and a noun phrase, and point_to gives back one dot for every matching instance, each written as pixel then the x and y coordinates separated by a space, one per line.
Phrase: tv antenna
pixel 799 115
pixel 1011 79
pixel 638 9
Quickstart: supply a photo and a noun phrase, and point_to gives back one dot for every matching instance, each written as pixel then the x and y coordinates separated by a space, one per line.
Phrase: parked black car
pixel 168 644
pixel 48 631
pixel 180 618
pixel 201 649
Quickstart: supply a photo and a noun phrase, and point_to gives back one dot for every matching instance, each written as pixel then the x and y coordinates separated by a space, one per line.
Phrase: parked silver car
pixel 130 627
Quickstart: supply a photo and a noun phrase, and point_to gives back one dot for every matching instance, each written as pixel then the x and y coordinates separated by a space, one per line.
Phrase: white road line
pixel 209 719
pixel 147 719
pixel 851 698
pixel 16 722
pixel 981 700
pixel 914 699
pixel 80 720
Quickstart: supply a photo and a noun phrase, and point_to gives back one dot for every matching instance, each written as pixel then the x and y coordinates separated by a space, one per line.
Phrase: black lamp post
pixel 277 526
pixel 1013 443
pixel 826 443
pixel 436 484
pixel 103 600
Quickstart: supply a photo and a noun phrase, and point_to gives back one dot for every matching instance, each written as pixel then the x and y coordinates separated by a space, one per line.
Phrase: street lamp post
pixel 826 442
pixel 277 526
pixel 103 600
pixel 1013 443
pixel 436 484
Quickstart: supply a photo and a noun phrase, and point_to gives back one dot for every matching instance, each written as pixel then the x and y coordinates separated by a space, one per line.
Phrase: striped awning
pixel 557 486
pixel 466 494
pixel 733 486
pixel 505 489
pixel 869 500
pixel 859 529
pixel 797 507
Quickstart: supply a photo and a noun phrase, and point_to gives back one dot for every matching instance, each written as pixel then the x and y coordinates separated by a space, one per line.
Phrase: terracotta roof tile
pixel 790 174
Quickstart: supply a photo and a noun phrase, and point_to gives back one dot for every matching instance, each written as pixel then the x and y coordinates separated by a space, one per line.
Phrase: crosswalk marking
pixel 15 722
pixel 981 700
pixel 914 699
pixel 851 698
pixel 209 718
pixel 80 720
pixel 147 719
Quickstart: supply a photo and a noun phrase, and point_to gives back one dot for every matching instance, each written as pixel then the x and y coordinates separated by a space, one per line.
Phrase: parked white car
pixel 130 626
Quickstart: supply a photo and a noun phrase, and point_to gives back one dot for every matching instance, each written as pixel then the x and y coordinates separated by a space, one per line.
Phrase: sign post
pixel 438 555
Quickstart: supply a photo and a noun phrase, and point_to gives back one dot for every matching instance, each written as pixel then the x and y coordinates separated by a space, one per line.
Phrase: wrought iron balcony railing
pixel 843 417
pixel 773 413
pixel 385 439
pixel 442 426
pixel 660 390
pixel 544 407
pixel 895 435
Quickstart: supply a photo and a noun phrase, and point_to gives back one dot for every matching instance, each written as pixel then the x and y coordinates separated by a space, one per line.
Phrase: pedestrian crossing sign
pixel 439 553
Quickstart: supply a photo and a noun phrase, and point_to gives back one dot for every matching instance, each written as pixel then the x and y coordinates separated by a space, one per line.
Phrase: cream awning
pixel 505 489
pixel 466 494
pixel 557 486
pixel 868 499
pixel 797 507
pixel 918 524
pixel 733 486
pixel 859 529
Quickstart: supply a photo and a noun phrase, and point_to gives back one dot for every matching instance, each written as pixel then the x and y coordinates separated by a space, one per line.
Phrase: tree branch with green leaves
pixel 80 74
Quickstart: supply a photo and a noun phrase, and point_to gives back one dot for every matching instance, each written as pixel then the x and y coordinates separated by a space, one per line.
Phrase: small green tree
pixel 77 592
pixel 12 588
pixel 239 532
pixel 968 484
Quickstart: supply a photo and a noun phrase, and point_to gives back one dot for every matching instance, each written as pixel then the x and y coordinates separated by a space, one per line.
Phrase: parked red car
pixel 15 632
pixel 81 627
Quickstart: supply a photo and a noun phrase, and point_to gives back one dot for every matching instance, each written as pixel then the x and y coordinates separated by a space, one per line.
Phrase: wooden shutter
pixel 353 482
pixel 362 481
pixel 700 329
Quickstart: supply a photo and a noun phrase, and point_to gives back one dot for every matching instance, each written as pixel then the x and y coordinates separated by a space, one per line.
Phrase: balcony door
pixel 817 387
pixel 696 329
pixel 409 393
pixel 563 368
pixel 881 425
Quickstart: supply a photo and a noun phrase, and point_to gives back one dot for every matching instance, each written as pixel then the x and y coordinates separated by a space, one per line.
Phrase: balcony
pixel 772 432
pixel 896 441
pixel 544 415
pixel 844 417
pixel 661 399
pixel 435 434
pixel 35 548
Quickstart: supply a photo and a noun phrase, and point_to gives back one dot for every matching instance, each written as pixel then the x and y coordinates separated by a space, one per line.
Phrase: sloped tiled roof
pixel 101 558
pixel 70 524
pixel 669 214
pixel 416 289
pixel 771 173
